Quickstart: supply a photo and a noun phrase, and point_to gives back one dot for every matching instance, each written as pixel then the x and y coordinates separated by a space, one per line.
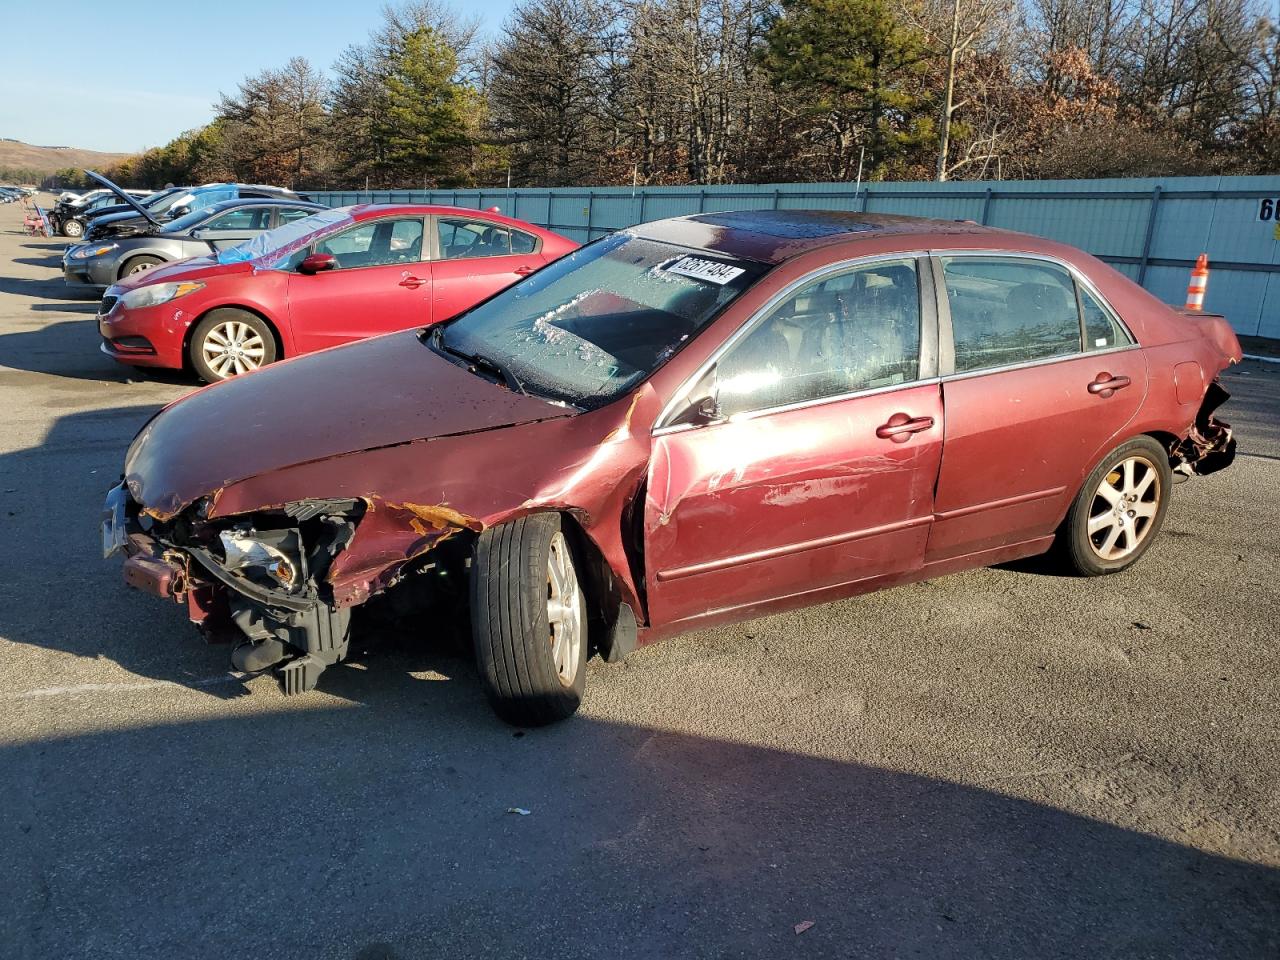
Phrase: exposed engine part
pixel 254 657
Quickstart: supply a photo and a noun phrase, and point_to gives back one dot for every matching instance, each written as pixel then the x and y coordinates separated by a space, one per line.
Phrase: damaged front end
pixel 1210 445
pixel 259 581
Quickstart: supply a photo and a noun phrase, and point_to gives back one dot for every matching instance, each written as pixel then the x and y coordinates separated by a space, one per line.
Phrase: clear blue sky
pixel 145 71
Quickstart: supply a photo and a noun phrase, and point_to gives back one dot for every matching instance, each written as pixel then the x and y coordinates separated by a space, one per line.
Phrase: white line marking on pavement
pixel 113 687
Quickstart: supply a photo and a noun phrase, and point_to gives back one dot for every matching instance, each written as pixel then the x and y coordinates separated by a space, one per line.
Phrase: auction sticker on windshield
pixel 710 270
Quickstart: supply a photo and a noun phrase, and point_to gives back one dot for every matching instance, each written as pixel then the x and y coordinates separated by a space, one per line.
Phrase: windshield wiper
pixel 478 362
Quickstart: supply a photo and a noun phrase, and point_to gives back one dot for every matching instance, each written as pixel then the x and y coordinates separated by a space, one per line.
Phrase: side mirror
pixel 703 406
pixel 707 410
pixel 177 212
pixel 317 262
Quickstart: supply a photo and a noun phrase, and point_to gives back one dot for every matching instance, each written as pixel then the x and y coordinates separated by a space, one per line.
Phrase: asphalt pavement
pixel 1005 763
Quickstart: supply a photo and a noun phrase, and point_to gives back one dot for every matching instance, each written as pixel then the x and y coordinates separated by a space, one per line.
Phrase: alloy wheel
pixel 564 610
pixel 232 348
pixel 1124 508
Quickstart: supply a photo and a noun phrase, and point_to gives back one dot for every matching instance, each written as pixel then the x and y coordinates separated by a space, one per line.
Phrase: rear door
pixel 381 284
pixel 1028 409
pixel 823 473
pixel 475 258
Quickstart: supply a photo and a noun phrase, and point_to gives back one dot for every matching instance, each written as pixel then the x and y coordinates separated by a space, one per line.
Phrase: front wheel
pixel 229 342
pixel 72 228
pixel 529 620
pixel 138 264
pixel 1119 510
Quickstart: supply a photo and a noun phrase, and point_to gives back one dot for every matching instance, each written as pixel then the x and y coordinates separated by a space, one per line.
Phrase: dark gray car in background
pixel 215 227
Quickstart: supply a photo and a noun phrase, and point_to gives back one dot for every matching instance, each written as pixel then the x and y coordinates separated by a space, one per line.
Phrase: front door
pixel 476 258
pixel 823 472
pixel 381 283
pixel 1029 410
pixel 235 226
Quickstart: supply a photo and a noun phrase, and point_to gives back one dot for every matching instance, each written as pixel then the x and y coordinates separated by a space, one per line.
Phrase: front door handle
pixel 413 283
pixel 525 270
pixel 901 426
pixel 1104 385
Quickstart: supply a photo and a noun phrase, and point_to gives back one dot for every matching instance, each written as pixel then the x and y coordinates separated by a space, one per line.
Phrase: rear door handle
pixel 525 270
pixel 413 283
pixel 901 426
pixel 1104 385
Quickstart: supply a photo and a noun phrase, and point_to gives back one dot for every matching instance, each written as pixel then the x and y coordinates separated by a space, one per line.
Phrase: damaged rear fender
pixel 1209 445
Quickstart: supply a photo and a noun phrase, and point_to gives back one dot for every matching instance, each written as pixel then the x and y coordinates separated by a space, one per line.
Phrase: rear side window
pixel 1007 310
pixel 1102 331
pixel 290 214
pixel 245 218
pixel 468 239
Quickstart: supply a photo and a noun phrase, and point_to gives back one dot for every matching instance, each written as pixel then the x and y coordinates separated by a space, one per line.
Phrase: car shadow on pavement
pixel 53 288
pixel 51 260
pixel 71 348
pixel 411 824
pixel 59 593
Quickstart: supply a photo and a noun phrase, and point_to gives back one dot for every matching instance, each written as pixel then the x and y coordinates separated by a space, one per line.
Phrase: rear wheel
pixel 529 620
pixel 1119 510
pixel 138 264
pixel 72 228
pixel 229 342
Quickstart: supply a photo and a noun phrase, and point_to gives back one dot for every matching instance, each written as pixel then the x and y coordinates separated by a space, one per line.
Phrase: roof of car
pixel 264 202
pixel 772 236
pixel 361 211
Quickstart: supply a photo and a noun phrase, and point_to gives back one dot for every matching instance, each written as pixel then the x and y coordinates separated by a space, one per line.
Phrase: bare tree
pixel 956 31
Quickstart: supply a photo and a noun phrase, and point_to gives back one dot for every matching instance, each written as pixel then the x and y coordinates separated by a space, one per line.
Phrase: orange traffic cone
pixel 1199 282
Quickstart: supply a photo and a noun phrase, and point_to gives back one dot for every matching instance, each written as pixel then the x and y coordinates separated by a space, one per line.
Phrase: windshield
pixel 590 326
pixel 279 248
pixel 202 196
pixel 151 201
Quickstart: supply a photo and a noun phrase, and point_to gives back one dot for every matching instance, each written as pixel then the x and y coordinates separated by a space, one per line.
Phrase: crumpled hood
pixel 376 393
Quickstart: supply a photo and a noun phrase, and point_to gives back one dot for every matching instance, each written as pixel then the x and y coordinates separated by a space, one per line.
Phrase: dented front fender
pixel 423 493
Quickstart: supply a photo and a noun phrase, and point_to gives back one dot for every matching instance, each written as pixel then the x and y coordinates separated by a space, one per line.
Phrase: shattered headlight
pixel 157 293
pixel 270 556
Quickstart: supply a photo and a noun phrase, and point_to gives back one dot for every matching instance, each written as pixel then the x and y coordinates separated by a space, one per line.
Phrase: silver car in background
pixel 100 263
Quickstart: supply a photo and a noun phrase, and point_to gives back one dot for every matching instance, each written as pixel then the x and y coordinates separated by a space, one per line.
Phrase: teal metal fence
pixel 1150 229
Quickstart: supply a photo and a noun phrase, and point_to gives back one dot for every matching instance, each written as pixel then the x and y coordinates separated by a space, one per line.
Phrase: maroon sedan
pixel 330 278
pixel 690 422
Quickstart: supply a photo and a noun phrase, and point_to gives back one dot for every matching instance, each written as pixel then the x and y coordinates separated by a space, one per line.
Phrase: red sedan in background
pixel 341 275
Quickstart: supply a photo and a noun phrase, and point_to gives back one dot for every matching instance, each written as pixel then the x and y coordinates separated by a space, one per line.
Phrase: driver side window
pixel 376 244
pixel 853 331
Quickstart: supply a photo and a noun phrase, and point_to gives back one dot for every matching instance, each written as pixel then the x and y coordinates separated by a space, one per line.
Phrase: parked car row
pixel 685 423
pixel 14 194
pixel 112 211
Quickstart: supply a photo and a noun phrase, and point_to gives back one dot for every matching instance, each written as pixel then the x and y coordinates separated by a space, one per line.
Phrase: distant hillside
pixel 18 155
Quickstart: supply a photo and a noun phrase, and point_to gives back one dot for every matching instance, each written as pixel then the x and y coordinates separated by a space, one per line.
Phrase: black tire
pixel 510 586
pixel 72 228
pixel 198 357
pixel 137 265
pixel 1096 553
